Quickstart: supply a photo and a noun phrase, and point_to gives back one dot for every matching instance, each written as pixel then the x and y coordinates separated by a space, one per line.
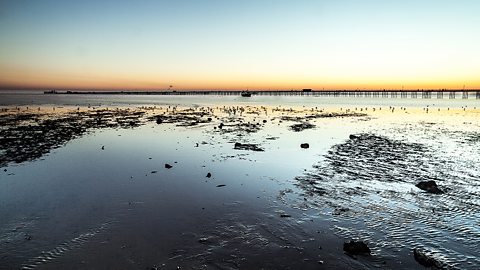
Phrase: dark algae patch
pixel 26 137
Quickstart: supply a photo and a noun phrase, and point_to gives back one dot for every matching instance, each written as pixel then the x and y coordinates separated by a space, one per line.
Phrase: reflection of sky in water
pixel 78 187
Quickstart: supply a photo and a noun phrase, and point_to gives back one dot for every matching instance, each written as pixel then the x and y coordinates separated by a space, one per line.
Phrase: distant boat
pixel 246 94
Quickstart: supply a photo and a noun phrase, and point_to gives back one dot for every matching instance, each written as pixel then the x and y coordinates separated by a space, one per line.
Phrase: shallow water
pixel 78 206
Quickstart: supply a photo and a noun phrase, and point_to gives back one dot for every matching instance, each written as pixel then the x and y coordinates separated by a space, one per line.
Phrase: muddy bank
pixel 29 136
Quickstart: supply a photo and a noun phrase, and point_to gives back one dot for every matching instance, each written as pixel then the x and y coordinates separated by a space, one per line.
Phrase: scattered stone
pixel 168 166
pixel 285 215
pixel 429 186
pixel 103 147
pixel 356 248
pixel 153 172
pixel 338 211
pixel 209 175
pixel 222 185
pixel 204 240
pixel 426 260
pixel 304 145
pixel 247 146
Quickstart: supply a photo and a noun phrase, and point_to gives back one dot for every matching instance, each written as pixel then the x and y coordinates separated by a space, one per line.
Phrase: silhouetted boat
pixel 246 94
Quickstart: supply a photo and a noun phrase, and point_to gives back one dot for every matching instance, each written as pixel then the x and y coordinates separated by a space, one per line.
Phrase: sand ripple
pixel 368 184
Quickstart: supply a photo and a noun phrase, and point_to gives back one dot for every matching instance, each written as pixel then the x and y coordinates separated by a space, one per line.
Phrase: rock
pixel 429 186
pixel 247 146
pixel 153 172
pixel 209 175
pixel 304 145
pixel 426 260
pixel 221 185
pixel 103 147
pixel 204 240
pixel 353 137
pixel 264 121
pixel 168 166
pixel 285 215
pixel 356 248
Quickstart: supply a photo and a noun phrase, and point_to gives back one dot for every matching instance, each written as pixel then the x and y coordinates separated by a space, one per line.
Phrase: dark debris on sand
pixel 427 260
pixel 183 118
pixel 356 248
pixel 430 187
pixel 248 146
pixel 301 126
pixel 26 136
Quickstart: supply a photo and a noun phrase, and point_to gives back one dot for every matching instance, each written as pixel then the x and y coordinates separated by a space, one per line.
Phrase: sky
pixel 231 44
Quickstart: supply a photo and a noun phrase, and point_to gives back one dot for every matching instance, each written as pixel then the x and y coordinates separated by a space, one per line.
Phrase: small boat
pixel 246 94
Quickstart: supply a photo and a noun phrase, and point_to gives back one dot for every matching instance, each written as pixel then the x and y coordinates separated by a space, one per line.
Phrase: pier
pixel 424 94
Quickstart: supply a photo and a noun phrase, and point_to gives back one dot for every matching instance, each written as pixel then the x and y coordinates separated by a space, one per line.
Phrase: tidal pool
pixel 86 186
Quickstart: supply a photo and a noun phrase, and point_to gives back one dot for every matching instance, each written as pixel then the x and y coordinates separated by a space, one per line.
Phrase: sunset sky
pixel 227 44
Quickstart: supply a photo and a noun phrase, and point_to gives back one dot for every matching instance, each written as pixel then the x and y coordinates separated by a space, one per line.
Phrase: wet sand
pixel 88 188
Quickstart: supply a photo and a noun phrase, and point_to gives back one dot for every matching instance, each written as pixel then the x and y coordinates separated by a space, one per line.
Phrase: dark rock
pixel 168 166
pixel 356 248
pixel 248 146
pixel 103 147
pixel 429 186
pixel 304 145
pixel 426 260
pixel 221 185
pixel 209 175
pixel 153 172
pixel 285 215
pixel 264 121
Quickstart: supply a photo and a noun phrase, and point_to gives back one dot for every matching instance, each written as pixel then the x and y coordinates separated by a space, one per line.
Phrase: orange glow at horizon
pixel 44 80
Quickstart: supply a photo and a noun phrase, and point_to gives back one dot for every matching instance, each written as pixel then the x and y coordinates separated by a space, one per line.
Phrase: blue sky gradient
pixel 234 44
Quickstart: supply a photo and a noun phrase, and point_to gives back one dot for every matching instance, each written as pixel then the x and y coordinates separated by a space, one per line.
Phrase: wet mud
pixel 377 199
pixel 29 136
pixel 385 191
